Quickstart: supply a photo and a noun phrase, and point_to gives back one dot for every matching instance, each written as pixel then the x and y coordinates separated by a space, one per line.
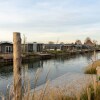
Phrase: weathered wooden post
pixel 17 66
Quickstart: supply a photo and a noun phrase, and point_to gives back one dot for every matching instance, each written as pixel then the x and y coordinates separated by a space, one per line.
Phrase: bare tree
pixel 24 44
pixel 88 39
pixel 61 42
pixel 78 42
pixel 95 42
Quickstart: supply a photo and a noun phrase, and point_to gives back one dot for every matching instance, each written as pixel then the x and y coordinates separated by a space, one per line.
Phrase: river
pixel 52 68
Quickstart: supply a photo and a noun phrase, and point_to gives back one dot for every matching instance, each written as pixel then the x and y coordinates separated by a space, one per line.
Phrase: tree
pixel 61 42
pixel 88 39
pixel 95 42
pixel 50 42
pixel 78 42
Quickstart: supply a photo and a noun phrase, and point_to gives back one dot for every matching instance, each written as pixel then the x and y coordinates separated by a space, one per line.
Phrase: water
pixel 56 67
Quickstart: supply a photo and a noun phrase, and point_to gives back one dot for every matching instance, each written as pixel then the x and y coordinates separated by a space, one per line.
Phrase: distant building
pixel 37 47
pixel 68 47
pixel 6 47
pixel 71 47
pixel 53 47
pixel 32 47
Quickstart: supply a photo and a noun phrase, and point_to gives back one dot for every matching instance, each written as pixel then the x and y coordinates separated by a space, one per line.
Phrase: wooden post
pixel 17 66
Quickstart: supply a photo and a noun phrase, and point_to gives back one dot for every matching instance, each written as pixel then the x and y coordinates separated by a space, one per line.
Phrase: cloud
pixel 65 19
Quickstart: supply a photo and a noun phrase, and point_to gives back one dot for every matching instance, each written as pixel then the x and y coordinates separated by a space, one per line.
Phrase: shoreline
pixel 7 59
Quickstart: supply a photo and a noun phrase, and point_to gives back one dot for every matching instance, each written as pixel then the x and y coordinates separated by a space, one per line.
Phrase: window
pixel 8 49
pixel 0 48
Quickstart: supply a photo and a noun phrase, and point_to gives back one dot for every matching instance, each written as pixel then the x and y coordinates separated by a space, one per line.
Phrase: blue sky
pixel 50 20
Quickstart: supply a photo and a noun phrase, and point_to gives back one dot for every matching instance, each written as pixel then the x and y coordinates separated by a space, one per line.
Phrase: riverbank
pixel 7 59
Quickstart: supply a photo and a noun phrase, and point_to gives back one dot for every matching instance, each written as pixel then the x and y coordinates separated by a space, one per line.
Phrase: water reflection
pixel 6 71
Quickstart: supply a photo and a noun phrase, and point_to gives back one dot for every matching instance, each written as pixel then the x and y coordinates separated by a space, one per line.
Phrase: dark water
pixel 56 67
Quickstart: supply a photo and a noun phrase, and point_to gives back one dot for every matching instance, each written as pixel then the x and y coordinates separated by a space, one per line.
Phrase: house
pixel 68 47
pixel 6 47
pixel 37 47
pixel 32 47
pixel 71 47
pixel 53 47
pixel 79 46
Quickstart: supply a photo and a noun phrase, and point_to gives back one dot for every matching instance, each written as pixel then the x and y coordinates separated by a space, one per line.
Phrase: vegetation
pixel 90 92
pixel 91 69
pixel 50 42
pixel 47 93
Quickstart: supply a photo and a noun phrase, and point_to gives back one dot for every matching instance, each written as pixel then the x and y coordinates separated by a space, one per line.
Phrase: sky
pixel 50 20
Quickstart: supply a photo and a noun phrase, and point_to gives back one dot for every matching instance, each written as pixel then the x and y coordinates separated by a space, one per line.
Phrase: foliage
pixel 50 42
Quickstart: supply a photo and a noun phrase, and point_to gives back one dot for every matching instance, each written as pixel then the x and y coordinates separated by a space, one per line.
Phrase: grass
pixel 48 93
pixel 58 94
pixel 90 92
pixel 91 69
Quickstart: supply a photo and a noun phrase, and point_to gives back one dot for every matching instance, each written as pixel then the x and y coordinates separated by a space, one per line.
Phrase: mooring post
pixel 17 66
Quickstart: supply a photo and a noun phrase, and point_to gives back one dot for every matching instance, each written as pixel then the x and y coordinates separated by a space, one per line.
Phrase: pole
pixel 17 66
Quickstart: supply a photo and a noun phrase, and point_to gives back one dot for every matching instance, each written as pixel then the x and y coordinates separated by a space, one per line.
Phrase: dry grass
pixel 91 69
pixel 91 92
pixel 48 93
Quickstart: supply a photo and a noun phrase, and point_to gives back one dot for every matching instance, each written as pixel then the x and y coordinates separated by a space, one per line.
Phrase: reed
pixel 91 69
pixel 90 92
